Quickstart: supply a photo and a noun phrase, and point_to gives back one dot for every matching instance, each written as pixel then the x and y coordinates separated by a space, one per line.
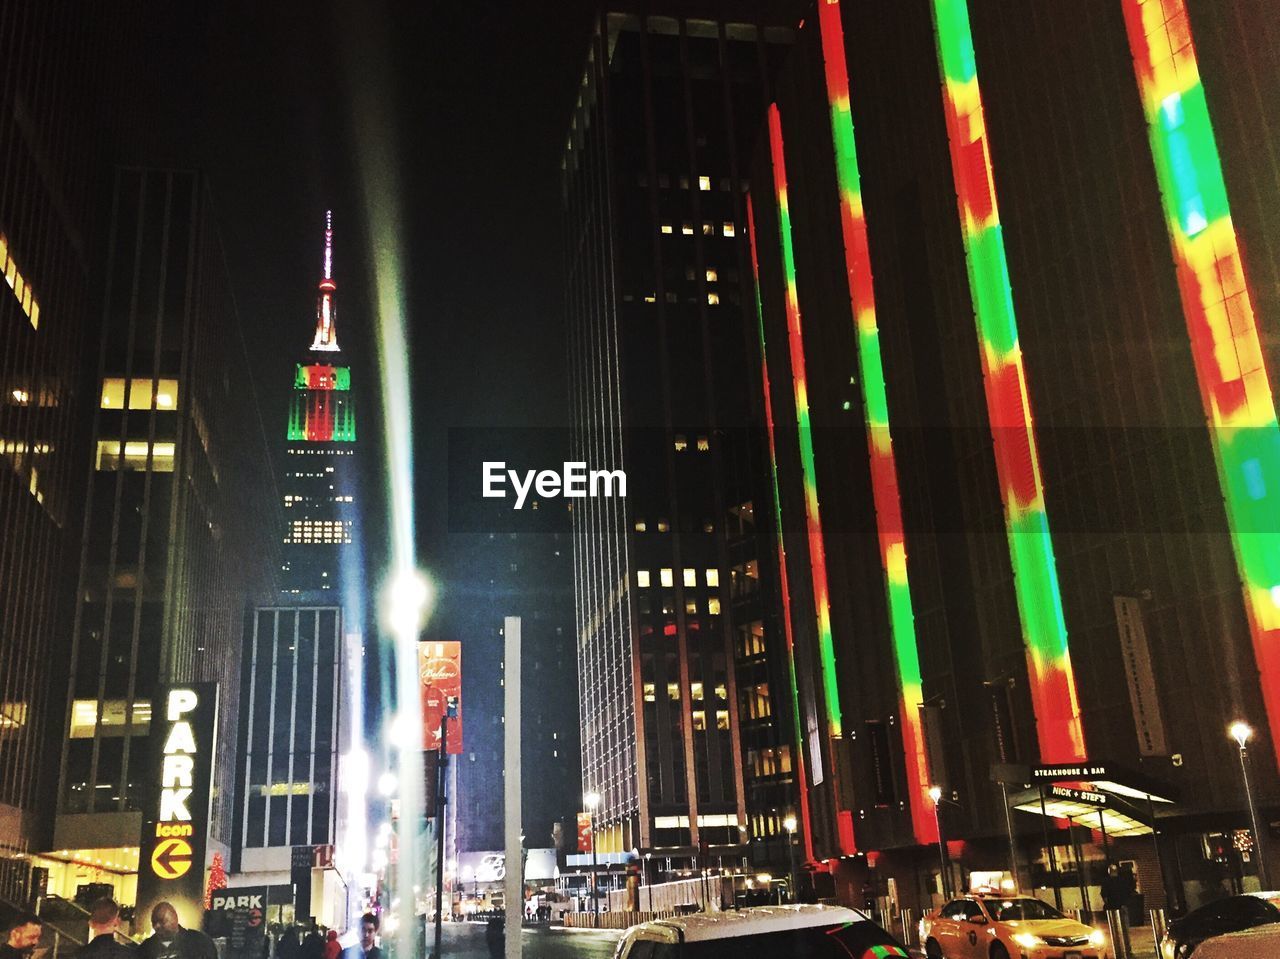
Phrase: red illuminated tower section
pixel 319 499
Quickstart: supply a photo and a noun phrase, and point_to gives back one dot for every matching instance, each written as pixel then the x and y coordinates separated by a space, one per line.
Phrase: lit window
pixel 140 393
pixel 19 284
pixel 673 691
pixel 663 526
pixel 682 443
pixel 666 228
pixel 135 456
pixel 704 183
pixel 666 578
pixel 713 605
pixel 704 444
pixel 712 276
pixel 708 229
pixel 640 527
pixel 651 298
pixel 650 696
pixel 21 397
pixel 713 577
pixel 691 606
pixel 722 719
pixel 642 577
pixel 728 227
pixel 686 228
pixel 699 721
pixel 695 692
pixel 691 577
pixel 713 299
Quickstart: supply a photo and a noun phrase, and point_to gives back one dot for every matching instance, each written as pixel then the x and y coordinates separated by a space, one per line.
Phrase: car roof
pixel 753 921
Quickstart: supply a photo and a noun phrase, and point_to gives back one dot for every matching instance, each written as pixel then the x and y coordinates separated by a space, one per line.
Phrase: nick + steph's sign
pixel 175 826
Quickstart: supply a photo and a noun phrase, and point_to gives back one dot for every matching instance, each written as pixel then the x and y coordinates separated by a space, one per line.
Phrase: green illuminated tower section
pixel 319 498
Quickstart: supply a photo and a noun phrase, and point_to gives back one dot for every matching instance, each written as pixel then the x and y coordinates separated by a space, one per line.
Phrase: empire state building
pixel 319 474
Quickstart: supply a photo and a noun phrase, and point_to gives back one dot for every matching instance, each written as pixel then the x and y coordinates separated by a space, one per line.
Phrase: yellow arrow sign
pixel 171 858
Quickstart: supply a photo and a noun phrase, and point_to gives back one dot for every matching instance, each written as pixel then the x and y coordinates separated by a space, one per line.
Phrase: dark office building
pixel 294 726
pixel 176 523
pixel 525 574
pixel 1139 535
pixel 319 471
pixel 59 98
pixel 682 685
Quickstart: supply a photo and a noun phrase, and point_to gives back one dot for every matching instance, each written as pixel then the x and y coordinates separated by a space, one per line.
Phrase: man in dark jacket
pixel 104 920
pixel 367 948
pixel 171 941
pixel 21 933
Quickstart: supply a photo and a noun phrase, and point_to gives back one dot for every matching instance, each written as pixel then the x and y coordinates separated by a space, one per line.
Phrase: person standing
pixel 172 941
pixel 104 921
pixel 367 948
pixel 332 948
pixel 21 934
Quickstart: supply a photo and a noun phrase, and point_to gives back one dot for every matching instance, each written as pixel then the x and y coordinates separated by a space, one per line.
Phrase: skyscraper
pixel 670 598
pixel 319 481
pixel 60 107
pixel 175 544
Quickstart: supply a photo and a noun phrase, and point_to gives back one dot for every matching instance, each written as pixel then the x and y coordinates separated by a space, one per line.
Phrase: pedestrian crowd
pixel 22 933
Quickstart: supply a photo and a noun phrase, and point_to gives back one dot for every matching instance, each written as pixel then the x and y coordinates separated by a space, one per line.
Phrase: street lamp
pixel 789 824
pixel 592 800
pixel 647 881
pixel 935 793
pixel 1242 732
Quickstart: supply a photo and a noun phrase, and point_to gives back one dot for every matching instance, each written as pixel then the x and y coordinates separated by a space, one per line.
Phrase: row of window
pixel 19 284
pixel 117 718
pixel 696 692
pixel 701 444
pixel 713 299
pixel 143 393
pixel 292 500
pixel 668 608
pixel 323 451
pixel 727 228
pixel 683 182
pixel 666 576
pixel 112 455
pixel 319 531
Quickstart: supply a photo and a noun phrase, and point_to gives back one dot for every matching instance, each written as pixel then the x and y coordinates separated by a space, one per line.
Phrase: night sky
pixel 477 99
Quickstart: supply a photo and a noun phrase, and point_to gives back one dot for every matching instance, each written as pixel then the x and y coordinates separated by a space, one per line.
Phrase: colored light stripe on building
pixel 1225 344
pixel 798 760
pixel 1044 630
pixel 884 470
pixel 813 517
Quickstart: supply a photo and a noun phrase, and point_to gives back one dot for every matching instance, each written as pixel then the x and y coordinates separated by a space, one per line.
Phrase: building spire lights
pixel 326 338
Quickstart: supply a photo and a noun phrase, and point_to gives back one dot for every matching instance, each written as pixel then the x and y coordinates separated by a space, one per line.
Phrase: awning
pixel 1101 795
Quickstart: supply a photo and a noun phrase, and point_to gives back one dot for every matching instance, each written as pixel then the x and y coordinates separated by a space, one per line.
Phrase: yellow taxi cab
pixel 1007 927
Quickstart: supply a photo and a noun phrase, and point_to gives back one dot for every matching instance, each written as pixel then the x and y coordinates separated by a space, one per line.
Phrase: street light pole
pixel 1242 733
pixel 592 800
pixel 789 824
pixel 935 793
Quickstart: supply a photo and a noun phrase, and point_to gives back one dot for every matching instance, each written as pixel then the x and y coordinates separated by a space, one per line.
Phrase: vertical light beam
pixel 1035 576
pixel 798 760
pixel 808 466
pixel 1225 345
pixel 885 493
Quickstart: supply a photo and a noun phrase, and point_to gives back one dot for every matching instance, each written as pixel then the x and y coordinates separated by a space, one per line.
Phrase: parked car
pixel 1007 927
pixel 1236 926
pixel 779 932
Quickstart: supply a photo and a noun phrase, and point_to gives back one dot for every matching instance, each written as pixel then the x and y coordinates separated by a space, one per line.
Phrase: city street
pixel 466 940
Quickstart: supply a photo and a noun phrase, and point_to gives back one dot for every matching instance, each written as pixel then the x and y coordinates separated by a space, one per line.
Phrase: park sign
pixel 175 824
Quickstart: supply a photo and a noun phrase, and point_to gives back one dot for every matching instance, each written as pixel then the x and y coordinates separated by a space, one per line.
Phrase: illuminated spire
pixel 326 310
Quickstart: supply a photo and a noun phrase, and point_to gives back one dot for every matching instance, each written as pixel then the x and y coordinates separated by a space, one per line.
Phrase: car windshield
pixel 1006 910
pixel 855 939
